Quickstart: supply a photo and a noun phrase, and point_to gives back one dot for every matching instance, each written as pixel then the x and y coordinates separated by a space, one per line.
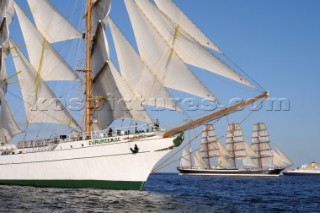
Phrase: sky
pixel 275 42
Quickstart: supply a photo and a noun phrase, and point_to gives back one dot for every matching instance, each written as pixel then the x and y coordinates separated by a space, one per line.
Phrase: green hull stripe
pixel 94 184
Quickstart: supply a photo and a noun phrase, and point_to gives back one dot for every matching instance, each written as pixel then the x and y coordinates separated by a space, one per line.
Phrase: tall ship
pixel 236 157
pixel 304 170
pixel 111 140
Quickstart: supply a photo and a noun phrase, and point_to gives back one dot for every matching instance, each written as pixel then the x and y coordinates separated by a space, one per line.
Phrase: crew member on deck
pixel 156 124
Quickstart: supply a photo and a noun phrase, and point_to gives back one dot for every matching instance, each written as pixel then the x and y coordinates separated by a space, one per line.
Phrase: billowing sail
pixel 100 12
pixel 51 23
pixel 4 33
pixel 166 65
pixel 223 162
pixel 249 151
pixel 185 159
pixel 283 157
pixel 114 108
pixel 108 82
pixel 188 49
pixel 137 75
pixel 223 150
pixel 43 56
pixel 177 16
pixel 235 142
pixel 41 105
pixel 6 10
pixel 277 160
pixel 198 161
pixel 249 162
pixel 3 75
pixel 8 125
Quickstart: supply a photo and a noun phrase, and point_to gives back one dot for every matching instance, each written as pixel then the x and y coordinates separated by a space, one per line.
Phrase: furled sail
pixel 164 63
pixel 185 159
pixel 8 125
pixel 137 75
pixel 51 23
pixel 43 56
pixel 176 15
pixel 6 10
pixel 41 105
pixel 188 49
pixel 100 12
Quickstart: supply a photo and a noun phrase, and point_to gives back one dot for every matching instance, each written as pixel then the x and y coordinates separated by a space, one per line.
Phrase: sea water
pixel 174 193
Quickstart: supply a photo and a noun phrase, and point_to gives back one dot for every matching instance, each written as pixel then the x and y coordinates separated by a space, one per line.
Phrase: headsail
pixel 43 57
pixel 140 79
pixel 8 125
pixel 51 23
pixel 188 49
pixel 185 159
pixel 41 105
pixel 176 15
pixel 165 64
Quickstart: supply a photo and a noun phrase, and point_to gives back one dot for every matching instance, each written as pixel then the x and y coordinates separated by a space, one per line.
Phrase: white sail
pixel 223 162
pixel 277 160
pixel 100 51
pixel 185 159
pixel 223 150
pixel 137 75
pixel 4 33
pixel 198 161
pixel 249 151
pixel 283 157
pixel 267 162
pixel 8 125
pixel 163 61
pixel 100 12
pixel 6 10
pixel 3 75
pixel 249 162
pixel 105 86
pixel 235 143
pixel 41 105
pixel 43 56
pixel 51 23
pixel 188 49
pixel 176 15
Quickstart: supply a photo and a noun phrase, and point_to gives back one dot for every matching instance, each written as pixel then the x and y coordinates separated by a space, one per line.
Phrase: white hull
pixel 86 161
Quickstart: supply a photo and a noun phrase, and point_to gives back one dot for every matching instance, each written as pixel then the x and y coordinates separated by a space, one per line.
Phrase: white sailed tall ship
pixel 258 160
pixel 84 151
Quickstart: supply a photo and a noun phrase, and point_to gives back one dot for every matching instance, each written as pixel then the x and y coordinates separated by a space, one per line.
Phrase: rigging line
pixel 245 73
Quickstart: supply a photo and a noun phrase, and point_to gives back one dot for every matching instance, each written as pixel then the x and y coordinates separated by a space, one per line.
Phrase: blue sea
pixel 173 193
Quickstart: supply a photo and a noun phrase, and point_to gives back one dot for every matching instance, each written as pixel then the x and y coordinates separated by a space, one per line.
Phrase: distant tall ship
pixel 258 160
pixel 304 170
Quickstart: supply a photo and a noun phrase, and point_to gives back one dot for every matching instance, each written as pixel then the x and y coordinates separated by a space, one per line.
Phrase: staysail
pixel 41 105
pixel 165 64
pixel 43 57
pixel 8 125
pixel 188 49
pixel 51 23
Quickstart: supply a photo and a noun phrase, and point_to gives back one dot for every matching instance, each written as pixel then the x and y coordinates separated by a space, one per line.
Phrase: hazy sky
pixel 274 42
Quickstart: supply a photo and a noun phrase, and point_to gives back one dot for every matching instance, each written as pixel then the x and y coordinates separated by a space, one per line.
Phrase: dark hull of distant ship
pixel 301 174
pixel 231 172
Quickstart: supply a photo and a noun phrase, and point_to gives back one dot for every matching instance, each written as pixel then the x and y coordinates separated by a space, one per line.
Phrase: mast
pixel 88 71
